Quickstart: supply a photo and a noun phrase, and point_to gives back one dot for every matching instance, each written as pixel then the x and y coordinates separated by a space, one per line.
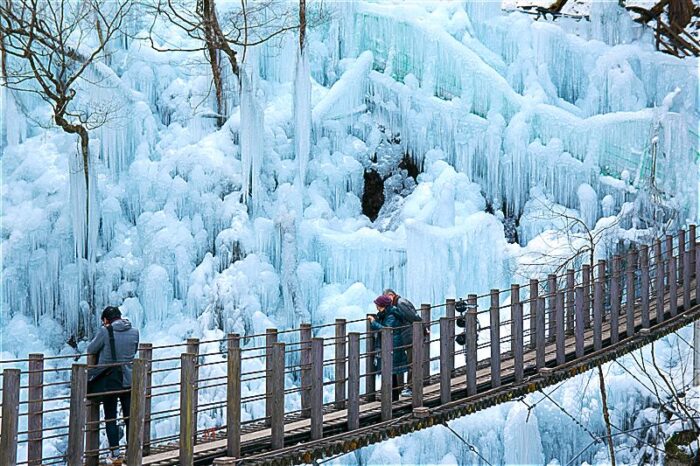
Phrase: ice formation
pixel 484 127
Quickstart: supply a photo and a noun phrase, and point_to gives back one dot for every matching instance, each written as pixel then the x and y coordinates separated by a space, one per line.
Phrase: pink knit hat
pixel 383 301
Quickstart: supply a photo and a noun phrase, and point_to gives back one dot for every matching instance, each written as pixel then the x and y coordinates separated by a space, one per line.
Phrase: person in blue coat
pixel 387 316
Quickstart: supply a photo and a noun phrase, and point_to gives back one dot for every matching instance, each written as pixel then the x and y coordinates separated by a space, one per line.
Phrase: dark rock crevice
pixel 373 194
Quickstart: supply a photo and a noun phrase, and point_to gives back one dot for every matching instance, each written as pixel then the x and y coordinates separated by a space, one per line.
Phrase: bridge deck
pixel 335 420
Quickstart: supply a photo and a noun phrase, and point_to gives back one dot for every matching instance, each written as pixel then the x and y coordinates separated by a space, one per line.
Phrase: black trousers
pixel 396 384
pixel 109 406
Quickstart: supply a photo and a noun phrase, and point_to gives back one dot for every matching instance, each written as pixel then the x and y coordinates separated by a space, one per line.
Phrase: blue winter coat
pixel 389 318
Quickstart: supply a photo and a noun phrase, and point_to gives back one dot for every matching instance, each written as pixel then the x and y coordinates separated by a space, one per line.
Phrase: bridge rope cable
pixel 530 407
pixel 585 389
pixel 471 447
pixel 623 432
pixel 639 381
pixel 684 340
pixel 593 435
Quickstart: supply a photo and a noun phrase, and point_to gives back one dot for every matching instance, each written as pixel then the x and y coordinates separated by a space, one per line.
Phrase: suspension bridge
pixel 294 396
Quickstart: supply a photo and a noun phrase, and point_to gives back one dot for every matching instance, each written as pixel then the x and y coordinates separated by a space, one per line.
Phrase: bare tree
pixel 606 414
pixel 238 29
pixel 573 242
pixel 48 52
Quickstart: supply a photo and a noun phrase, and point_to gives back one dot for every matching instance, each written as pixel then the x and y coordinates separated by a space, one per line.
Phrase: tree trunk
pixel 558 5
pixel 101 38
pixel 221 111
pixel 302 25
pixel 606 414
pixel 680 13
pixel 210 23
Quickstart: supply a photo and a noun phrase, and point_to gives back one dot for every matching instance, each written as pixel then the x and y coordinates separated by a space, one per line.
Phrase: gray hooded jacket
pixel 126 343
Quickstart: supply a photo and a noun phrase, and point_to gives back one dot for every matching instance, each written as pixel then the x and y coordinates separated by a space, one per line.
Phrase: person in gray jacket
pixel 126 343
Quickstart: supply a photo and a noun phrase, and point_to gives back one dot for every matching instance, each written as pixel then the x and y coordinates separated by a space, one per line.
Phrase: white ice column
pixel 302 114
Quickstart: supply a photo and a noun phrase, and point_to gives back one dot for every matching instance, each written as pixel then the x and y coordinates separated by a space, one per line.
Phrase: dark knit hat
pixel 383 301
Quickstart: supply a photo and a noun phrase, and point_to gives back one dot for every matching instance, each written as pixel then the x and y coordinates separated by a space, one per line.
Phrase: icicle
pixel 252 137
pixel 346 97
pixel 302 115
pixel 156 293
pixel 522 435
pixel 295 310
pixel 85 223
pixel 588 204
pixel 14 129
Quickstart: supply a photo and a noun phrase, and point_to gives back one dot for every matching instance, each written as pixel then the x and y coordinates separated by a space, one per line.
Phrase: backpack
pixel 407 313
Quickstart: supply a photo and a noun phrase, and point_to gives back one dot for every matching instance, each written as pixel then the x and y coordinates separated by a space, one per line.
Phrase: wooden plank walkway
pixel 336 420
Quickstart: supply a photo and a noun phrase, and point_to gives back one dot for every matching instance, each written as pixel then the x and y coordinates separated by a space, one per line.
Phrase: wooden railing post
pixel 193 348
pixel 316 388
pixel 188 382
pixel 417 363
pixel 631 292
pixel 551 306
pixel 586 279
pixel 277 414
pixel 305 339
pixel 445 373
pixel 669 246
pixel 35 409
pixel 516 308
pixel 137 412
pixel 673 285
pixel 540 338
pixel 354 380
pixel 615 300
pixel 10 417
pixel 534 302
pixel 146 354
pixel 340 357
pixel 644 284
pixel 270 339
pixel 561 330
pixel 692 243
pixel 539 333
pixel 233 395
pixel 78 413
pixel 681 253
pixel 580 325
pixel 370 364
pixel 471 343
pixel 450 306
pixel 387 368
pixel 495 331
pixel 687 275
pixel 697 273
pixel 92 429
pixel 598 305
pixel 570 306
pixel 425 314
pixel 671 276
pixel 659 286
